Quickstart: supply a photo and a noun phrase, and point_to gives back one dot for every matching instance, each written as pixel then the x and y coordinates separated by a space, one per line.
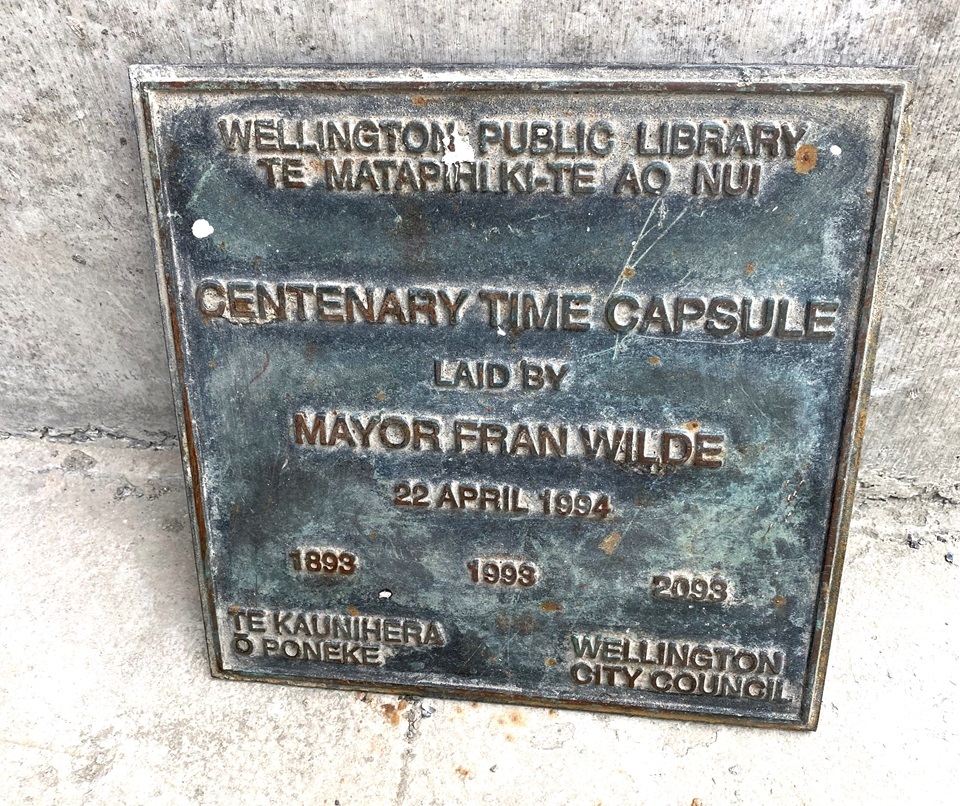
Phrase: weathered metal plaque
pixel 532 386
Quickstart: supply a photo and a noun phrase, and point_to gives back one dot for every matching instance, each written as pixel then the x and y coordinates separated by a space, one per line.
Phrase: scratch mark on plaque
pixel 750 398
pixel 797 482
pixel 629 268
pixel 393 547
pixel 511 637
pixel 278 465
pixel 470 657
pixel 631 264
pixel 628 339
pixel 633 261
pixel 200 183
pixel 263 369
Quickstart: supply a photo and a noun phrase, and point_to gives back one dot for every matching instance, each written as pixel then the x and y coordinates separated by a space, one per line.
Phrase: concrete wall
pixel 79 326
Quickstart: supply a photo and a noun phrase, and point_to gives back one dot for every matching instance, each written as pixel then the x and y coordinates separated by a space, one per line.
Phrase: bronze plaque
pixel 535 386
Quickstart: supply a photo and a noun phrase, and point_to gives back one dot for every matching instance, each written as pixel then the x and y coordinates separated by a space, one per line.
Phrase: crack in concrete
pixel 153 441
pixel 419 711
pixel 403 785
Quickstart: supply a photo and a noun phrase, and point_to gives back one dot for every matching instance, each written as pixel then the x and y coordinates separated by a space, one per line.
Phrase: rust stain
pixel 806 159
pixel 551 607
pixel 418 100
pixel 780 600
pixel 693 425
pixel 392 712
pixel 610 543
pixel 513 717
pixel 750 268
pixel 352 611
pixel 653 361
pixel 628 272
pixel 463 772
pixel 381 396
pixel 550 662
pixel 696 802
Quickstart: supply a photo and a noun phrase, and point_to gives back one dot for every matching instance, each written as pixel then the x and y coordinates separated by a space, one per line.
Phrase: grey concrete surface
pixel 105 695
pixel 79 330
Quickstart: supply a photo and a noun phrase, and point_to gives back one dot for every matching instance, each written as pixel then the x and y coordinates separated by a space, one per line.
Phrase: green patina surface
pixel 758 525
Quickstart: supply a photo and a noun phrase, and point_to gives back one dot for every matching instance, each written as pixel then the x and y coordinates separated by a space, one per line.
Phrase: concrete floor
pixel 105 695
